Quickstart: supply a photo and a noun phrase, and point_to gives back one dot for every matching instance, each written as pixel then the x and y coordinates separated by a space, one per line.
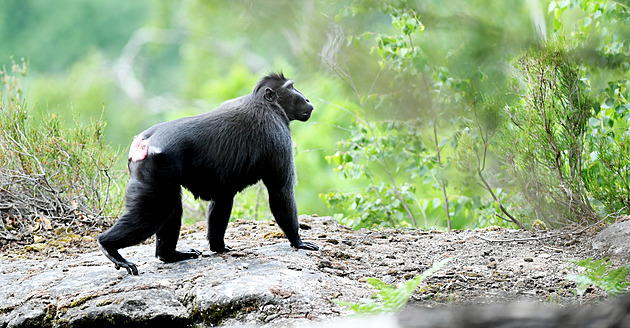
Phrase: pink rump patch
pixel 139 149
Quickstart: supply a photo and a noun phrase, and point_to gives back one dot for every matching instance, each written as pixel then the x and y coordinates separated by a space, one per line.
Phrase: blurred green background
pixel 394 84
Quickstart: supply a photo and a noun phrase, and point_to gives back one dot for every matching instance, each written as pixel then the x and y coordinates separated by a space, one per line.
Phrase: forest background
pixel 443 114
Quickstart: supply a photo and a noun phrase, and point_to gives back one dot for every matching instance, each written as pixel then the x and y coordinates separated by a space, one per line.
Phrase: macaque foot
pixel 130 267
pixel 307 246
pixel 220 249
pixel 180 256
pixel 119 261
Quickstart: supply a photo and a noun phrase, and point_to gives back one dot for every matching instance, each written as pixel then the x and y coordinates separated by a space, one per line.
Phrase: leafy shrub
pixel 549 127
pixel 406 162
pixel 385 202
pixel 406 182
pixel 50 176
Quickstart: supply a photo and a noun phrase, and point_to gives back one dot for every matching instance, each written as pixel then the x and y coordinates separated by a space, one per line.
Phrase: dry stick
pixel 109 183
pixel 441 182
pixel 498 201
pixel 439 161
pixel 481 166
pixel 552 236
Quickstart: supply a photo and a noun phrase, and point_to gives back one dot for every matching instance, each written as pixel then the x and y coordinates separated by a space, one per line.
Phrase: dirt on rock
pixel 493 265
pixel 487 266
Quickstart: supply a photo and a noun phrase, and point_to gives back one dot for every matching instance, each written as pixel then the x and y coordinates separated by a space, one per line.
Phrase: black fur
pixel 214 155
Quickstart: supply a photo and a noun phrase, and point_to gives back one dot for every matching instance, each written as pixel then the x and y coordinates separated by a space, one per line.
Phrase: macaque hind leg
pixel 125 232
pixel 166 240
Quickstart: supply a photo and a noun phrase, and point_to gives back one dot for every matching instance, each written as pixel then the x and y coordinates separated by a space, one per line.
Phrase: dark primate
pixel 214 155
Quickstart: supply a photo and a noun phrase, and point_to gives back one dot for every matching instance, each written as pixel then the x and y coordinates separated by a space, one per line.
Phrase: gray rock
pixel 614 241
pixel 88 291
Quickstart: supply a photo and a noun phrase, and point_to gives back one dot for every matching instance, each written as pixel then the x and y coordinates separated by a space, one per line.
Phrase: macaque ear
pixel 270 95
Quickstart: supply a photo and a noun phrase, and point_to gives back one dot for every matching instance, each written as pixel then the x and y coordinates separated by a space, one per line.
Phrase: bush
pixel 49 176
pixel 549 127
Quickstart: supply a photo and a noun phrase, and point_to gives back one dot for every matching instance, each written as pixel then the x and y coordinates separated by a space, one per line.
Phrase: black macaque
pixel 214 155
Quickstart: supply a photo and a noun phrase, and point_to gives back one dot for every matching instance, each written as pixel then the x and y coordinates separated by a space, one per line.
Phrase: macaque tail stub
pixel 139 149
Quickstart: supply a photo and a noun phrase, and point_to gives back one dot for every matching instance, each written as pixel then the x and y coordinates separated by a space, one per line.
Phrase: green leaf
pixel 390 298
pixel 443 142
pixel 598 273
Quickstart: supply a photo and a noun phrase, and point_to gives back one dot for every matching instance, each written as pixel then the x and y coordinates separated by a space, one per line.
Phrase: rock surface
pixel 615 240
pixel 266 282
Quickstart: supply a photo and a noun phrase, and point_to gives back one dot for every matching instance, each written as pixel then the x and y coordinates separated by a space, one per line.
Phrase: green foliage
pixel 49 172
pixel 599 273
pixel 385 201
pixel 390 298
pixel 597 31
pixel 363 156
pixel 600 23
pixel 378 207
pixel 397 156
pixel 571 155
pixel 396 51
pixel 421 120
pixel 606 173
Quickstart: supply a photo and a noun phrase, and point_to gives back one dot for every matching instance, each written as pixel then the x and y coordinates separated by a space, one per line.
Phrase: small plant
pixel 51 176
pixel 598 273
pixel 390 298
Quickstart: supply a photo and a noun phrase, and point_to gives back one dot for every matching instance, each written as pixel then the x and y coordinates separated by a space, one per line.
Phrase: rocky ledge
pixel 266 282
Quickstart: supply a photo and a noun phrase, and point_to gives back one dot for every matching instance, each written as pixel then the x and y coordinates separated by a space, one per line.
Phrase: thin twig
pixel 441 181
pixel 552 236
